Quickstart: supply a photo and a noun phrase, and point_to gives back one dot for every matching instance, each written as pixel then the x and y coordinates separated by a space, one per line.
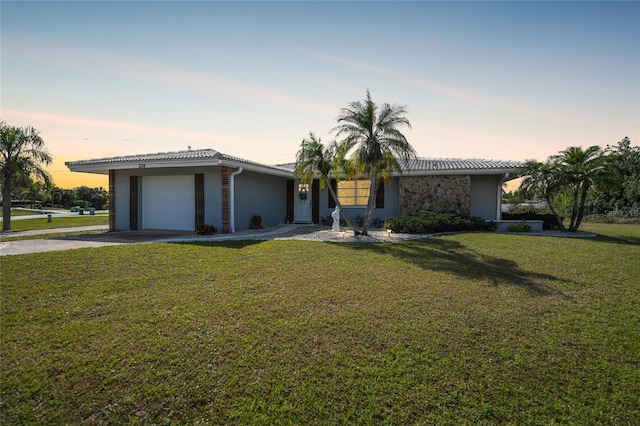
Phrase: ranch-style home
pixel 184 189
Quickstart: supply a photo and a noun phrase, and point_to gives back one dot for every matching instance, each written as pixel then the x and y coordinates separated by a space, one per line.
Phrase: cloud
pixel 449 91
pixel 97 62
pixel 78 121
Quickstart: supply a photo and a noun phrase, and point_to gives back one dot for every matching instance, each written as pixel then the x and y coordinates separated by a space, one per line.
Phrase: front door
pixel 302 205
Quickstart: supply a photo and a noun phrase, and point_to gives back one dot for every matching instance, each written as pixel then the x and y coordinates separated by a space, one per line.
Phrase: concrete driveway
pixel 120 237
pixel 81 241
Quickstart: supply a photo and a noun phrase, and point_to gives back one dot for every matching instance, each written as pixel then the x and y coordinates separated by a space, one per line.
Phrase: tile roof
pixel 192 154
pixel 287 166
pixel 458 164
pixel 159 156
pixel 416 165
pixel 444 164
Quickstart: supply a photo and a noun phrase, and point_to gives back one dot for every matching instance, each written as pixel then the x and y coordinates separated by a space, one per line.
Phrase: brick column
pixel 225 200
pixel 112 200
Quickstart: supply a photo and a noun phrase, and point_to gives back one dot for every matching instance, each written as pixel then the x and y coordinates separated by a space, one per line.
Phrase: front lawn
pixel 22 212
pixel 59 222
pixel 472 328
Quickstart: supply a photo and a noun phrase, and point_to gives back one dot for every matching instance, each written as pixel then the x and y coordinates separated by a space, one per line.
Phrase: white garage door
pixel 168 202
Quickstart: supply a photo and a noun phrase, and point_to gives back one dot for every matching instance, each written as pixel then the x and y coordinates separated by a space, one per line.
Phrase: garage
pixel 168 202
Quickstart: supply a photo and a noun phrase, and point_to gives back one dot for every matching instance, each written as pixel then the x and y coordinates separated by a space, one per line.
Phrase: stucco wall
pixel 122 200
pixel 484 196
pixel 259 194
pixel 436 193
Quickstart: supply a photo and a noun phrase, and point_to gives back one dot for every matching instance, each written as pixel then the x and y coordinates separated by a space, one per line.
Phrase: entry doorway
pixel 302 203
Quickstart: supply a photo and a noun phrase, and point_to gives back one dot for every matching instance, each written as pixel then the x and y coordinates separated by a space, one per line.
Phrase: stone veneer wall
pixel 436 193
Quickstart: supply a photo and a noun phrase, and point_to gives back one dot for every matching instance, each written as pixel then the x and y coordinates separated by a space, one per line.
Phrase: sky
pixel 495 80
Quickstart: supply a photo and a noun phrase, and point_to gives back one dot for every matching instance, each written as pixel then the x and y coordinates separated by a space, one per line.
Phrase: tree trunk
pixel 6 204
pixel 555 213
pixel 583 201
pixel 371 203
pixel 339 204
pixel 574 210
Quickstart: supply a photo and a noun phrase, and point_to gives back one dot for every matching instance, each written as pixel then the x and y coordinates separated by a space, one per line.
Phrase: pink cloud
pixel 104 124
pixel 127 67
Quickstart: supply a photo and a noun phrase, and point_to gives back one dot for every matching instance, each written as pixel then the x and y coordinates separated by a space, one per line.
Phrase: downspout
pixel 232 200
pixel 499 210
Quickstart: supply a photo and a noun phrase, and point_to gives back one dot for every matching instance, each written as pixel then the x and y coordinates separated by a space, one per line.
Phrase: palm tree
pixel 21 152
pixel 67 198
pixel 54 192
pixel 541 180
pixel 314 160
pixel 35 191
pixel 580 170
pixel 373 132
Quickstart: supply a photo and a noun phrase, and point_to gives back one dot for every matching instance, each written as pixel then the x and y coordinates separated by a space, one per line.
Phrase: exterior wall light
pixel 302 193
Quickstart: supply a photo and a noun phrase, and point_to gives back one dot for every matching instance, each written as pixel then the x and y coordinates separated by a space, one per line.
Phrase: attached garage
pixel 168 202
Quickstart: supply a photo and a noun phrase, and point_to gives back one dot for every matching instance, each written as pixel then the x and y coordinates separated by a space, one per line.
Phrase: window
pixel 362 198
pixel 354 192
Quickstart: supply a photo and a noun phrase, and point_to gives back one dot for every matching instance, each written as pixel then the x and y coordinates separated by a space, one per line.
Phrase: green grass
pixel 50 236
pixel 459 329
pixel 21 212
pixel 59 222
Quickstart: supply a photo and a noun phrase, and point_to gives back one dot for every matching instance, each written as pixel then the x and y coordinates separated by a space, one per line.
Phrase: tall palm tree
pixel 22 151
pixel 373 133
pixel 541 180
pixel 314 160
pixel 581 169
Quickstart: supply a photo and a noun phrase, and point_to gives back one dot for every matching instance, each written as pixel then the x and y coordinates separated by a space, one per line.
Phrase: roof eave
pixel 104 167
pixel 493 171
pixel 253 167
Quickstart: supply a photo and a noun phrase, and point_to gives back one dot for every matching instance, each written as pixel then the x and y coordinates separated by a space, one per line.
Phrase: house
pixel 180 190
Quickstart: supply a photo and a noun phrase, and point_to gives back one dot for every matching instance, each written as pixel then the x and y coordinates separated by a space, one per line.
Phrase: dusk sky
pixel 494 80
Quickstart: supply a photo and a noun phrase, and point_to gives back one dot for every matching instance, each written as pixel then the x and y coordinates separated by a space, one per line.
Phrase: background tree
pixel 580 170
pixel 373 133
pixel 35 193
pixel 85 196
pixel 54 193
pixel 541 181
pixel 22 151
pixel 67 198
pixel 513 197
pixel 314 160
pixel 573 172
pixel 622 199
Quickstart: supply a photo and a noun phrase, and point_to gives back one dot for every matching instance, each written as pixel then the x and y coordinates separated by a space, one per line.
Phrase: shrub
pixel 376 222
pixel 519 227
pixel 206 229
pixel 426 222
pixel 549 221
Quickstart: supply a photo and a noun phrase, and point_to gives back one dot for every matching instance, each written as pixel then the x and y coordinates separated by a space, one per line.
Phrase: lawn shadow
pixel 626 240
pixel 232 244
pixel 452 257
pixel 161 236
